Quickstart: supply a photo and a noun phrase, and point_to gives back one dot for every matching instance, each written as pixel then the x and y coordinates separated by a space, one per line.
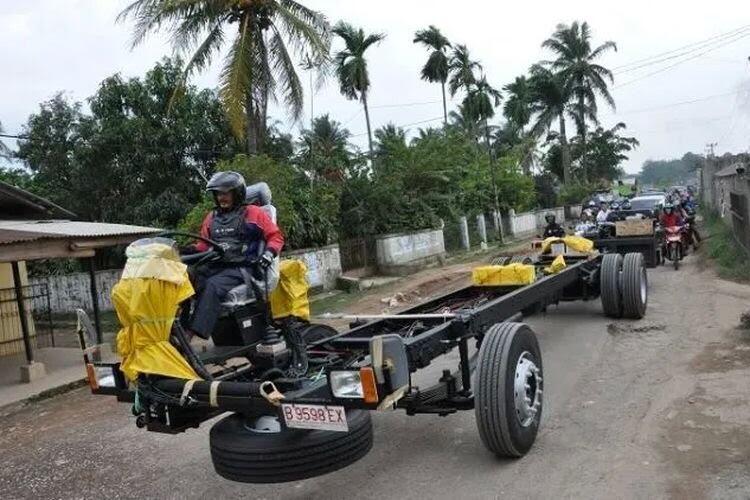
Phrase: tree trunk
pixel 496 201
pixel 565 152
pixel 251 137
pixel 582 133
pixel 367 119
pixel 445 106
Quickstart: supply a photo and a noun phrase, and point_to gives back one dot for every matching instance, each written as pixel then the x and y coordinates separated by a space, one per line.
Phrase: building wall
pixel 403 253
pixel 323 265
pixel 68 292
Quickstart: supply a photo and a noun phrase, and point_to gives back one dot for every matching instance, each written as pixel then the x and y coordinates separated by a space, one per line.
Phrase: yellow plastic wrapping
pixel 557 265
pixel 510 275
pixel 154 282
pixel 576 243
pixel 289 298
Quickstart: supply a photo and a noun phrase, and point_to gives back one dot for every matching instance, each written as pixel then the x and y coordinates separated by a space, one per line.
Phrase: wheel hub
pixel 265 424
pixel 527 389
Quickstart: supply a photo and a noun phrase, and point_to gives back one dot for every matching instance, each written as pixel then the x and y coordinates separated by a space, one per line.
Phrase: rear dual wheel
pixel 624 286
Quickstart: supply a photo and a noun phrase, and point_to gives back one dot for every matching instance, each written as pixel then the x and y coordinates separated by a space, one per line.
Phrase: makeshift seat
pixel 255 194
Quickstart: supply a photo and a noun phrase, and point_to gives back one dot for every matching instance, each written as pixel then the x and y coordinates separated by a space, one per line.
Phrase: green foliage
pixel 575 193
pixel 665 173
pixel 307 218
pixel 258 62
pixel 731 260
pixel 134 159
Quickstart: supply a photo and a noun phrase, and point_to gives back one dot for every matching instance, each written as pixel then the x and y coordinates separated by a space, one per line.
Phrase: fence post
pixel 497 221
pixel 464 230
pixel 482 229
pixel 511 220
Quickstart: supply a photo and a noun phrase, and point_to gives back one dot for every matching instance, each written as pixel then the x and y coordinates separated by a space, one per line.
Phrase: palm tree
pixel 461 69
pixel 258 64
pixel 351 66
pixel 550 104
pixel 517 107
pixel 583 78
pixel 463 121
pixel 4 150
pixel 481 101
pixel 390 138
pixel 324 149
pixel 436 68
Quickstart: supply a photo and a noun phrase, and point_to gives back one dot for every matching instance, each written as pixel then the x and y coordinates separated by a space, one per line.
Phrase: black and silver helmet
pixel 227 182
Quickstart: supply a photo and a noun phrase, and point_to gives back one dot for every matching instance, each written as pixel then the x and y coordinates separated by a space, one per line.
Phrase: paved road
pixel 649 409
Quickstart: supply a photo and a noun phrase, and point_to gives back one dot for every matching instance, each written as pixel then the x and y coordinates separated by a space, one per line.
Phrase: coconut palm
pixel 351 66
pixel 324 149
pixel 436 68
pixel 461 68
pixel 550 104
pixel 462 120
pixel 517 107
pixel 582 77
pixel 258 65
pixel 4 150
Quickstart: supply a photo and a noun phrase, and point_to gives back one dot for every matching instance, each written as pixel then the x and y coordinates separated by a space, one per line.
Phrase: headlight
pixel 101 376
pixel 346 384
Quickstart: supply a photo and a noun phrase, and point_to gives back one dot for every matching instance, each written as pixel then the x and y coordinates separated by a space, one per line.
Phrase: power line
pixel 406 125
pixel 674 104
pixel 733 38
pixel 693 44
pixel 661 70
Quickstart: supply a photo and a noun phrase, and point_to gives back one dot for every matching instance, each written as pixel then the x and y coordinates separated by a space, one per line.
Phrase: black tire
pixel 241 454
pixel 520 259
pixel 634 286
pixel 674 253
pixel 609 285
pixel 498 417
pixel 315 332
pixel 500 261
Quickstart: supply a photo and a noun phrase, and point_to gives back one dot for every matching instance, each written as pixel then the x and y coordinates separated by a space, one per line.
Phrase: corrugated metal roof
pixel 17 203
pixel 13 231
pixel 728 170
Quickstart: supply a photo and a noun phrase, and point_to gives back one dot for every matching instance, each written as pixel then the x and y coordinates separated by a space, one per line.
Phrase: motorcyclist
pixel 669 217
pixel 589 211
pixel 553 229
pixel 242 231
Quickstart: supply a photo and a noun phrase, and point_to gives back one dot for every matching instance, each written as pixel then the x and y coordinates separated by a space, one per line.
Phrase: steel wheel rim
pixel 527 390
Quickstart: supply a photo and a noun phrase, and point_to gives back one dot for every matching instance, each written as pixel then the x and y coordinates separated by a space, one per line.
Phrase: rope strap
pixel 213 392
pixel 186 391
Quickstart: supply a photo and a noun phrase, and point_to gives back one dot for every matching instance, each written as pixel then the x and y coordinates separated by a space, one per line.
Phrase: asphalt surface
pixel 633 409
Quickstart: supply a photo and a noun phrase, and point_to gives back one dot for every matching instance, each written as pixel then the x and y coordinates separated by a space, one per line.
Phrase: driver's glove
pixel 266 259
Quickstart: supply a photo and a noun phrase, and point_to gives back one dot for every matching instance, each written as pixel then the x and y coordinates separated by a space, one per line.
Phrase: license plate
pixel 302 416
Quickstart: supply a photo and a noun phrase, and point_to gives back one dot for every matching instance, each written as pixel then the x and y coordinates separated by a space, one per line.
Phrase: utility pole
pixel 710 149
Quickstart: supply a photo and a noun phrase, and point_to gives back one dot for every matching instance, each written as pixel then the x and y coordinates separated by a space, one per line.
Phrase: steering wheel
pixel 214 252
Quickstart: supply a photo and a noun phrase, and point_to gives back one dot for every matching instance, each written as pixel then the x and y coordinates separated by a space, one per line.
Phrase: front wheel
pixel 508 398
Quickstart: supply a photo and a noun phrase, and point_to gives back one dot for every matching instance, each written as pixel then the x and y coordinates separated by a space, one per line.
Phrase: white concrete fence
pixel 399 254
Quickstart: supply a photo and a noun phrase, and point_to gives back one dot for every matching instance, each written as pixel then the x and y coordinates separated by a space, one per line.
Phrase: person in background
pixel 604 212
pixel 553 229
pixel 669 217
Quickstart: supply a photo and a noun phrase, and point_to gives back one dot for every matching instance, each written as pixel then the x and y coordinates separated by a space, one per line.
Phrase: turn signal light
pixel 369 386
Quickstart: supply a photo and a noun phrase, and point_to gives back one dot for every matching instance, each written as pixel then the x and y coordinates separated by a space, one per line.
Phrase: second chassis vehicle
pixel 304 411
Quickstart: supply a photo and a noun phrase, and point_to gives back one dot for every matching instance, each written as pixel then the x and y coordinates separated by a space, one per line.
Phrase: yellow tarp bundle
pixel 153 283
pixel 557 265
pixel 289 298
pixel 510 275
pixel 576 243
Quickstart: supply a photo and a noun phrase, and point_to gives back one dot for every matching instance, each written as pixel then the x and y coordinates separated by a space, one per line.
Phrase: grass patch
pixel 731 260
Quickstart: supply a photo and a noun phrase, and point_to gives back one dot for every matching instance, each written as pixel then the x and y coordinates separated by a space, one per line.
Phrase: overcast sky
pixel 48 46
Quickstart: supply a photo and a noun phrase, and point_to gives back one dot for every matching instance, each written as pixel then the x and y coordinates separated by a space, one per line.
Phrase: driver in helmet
pixel 242 231
pixel 670 218
pixel 553 229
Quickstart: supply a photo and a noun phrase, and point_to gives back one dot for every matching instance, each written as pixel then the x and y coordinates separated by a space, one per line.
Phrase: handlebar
pixel 213 253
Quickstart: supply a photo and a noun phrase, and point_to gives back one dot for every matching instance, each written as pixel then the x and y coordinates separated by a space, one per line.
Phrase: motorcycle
pixel 674 245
